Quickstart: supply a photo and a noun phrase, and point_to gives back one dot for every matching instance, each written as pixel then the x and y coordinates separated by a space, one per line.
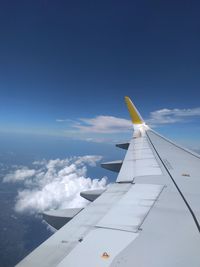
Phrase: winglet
pixel 135 115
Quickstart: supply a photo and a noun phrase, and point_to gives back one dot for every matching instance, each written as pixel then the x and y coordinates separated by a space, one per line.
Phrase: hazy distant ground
pixel 21 233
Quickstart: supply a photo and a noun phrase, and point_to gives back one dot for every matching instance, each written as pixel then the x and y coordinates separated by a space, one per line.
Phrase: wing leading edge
pixel 149 217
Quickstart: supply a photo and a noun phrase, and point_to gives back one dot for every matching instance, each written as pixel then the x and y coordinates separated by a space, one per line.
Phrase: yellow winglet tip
pixel 135 116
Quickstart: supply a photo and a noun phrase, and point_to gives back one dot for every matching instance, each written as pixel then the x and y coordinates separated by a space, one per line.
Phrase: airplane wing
pixel 149 217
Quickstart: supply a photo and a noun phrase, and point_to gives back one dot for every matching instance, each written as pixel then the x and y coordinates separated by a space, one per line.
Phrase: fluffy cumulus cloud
pixel 168 116
pixel 54 184
pixel 19 175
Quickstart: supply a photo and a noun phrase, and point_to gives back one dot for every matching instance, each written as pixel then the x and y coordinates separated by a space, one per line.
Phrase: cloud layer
pixel 103 124
pixel 169 116
pixel 54 184
pixel 99 128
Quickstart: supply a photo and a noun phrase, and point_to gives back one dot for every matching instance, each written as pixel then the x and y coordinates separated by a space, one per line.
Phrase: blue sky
pixel 68 60
pixel 65 67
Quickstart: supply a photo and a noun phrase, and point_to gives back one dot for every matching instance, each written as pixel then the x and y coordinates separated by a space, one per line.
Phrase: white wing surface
pixel 149 218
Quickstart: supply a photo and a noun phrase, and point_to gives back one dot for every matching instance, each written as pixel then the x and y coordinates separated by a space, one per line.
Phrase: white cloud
pixel 54 184
pixel 111 124
pixel 63 120
pixel 19 175
pixel 103 124
pixel 99 129
pixel 168 116
pixel 100 140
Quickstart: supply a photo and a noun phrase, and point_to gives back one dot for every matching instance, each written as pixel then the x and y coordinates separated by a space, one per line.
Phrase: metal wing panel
pixel 168 236
pixel 59 245
pixel 139 161
pixel 99 248
pixel 183 166
pixel 131 210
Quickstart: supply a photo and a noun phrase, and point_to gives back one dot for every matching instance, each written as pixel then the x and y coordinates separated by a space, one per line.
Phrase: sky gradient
pixel 65 67
pixel 69 60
